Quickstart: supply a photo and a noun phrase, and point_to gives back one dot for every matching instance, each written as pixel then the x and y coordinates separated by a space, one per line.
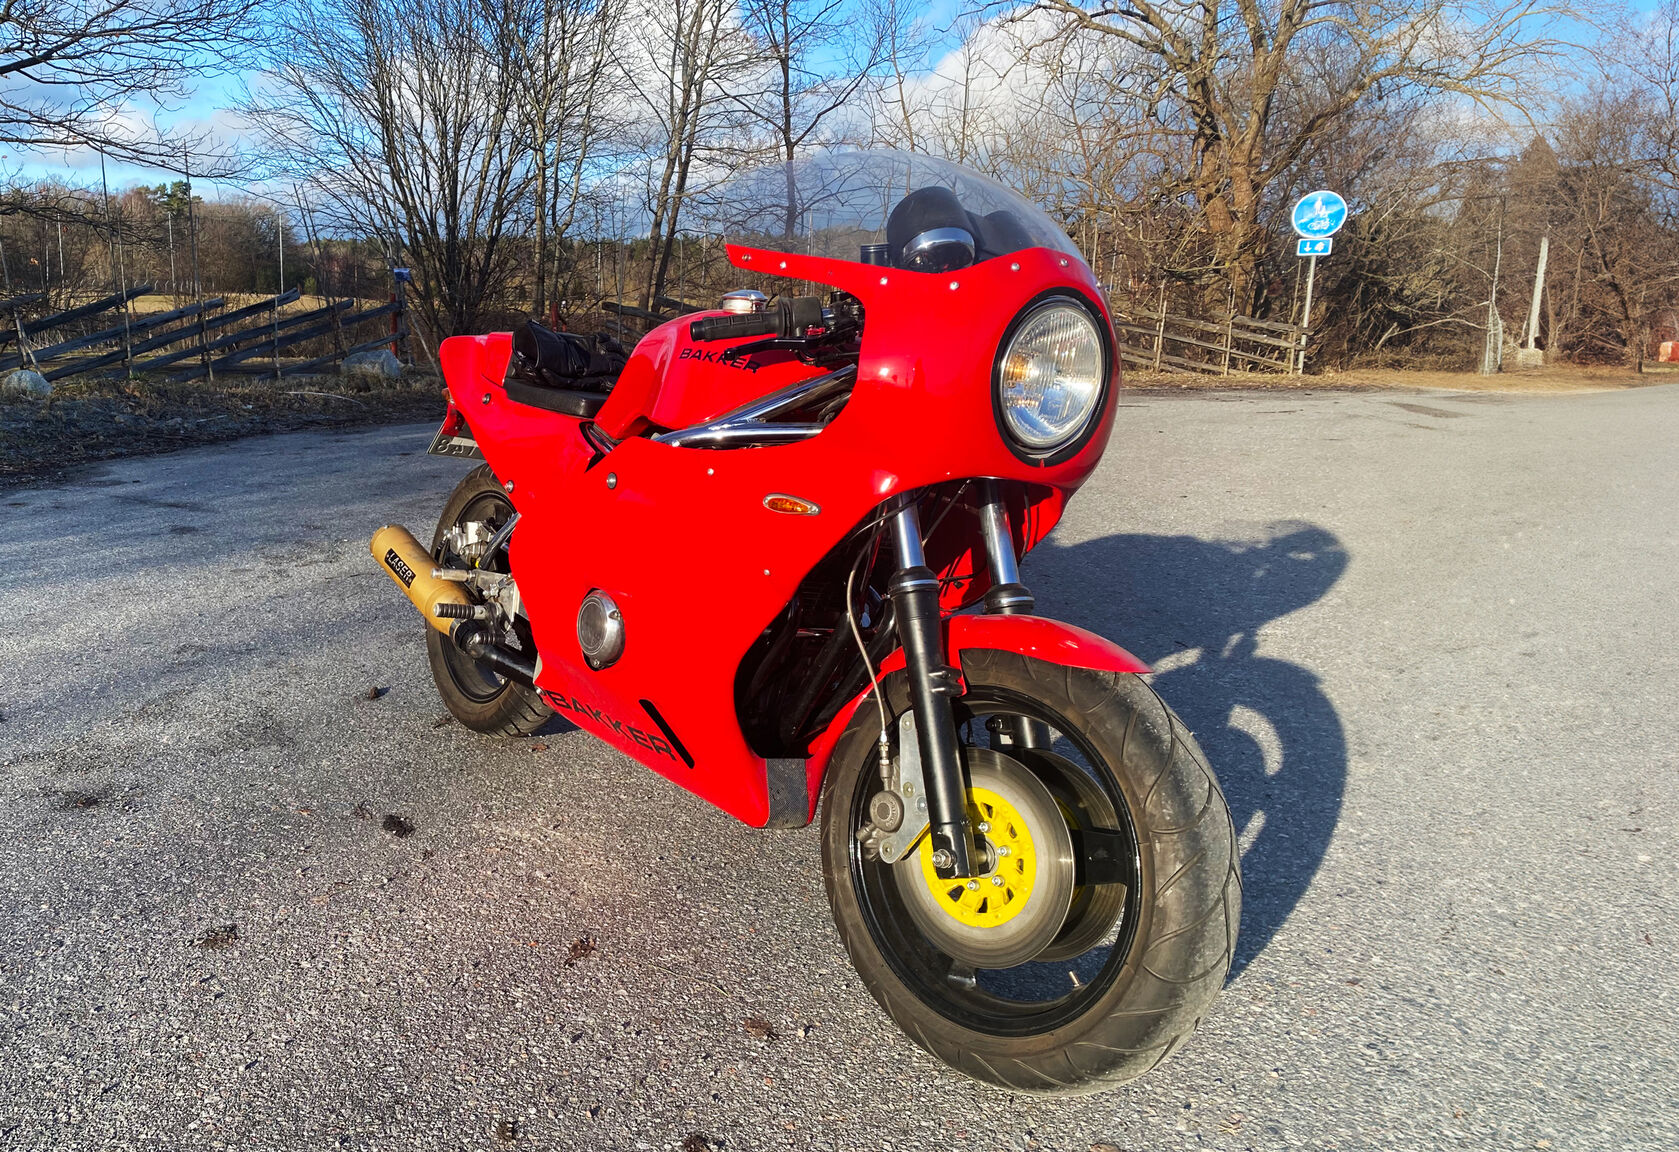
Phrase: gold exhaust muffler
pixel 407 562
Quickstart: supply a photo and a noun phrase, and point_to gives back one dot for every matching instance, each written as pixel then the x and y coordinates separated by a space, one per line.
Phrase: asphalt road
pixel 1430 643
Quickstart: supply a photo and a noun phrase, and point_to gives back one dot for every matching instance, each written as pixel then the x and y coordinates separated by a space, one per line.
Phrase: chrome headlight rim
pixel 1057 453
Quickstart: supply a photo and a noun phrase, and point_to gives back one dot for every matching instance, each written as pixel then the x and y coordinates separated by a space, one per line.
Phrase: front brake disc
pixel 1011 913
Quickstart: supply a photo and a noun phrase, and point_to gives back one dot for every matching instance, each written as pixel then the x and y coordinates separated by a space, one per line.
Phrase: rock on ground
pixel 23 382
pixel 379 362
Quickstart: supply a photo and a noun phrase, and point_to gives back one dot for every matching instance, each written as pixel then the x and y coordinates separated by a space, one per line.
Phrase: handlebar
pixel 786 316
pixel 735 326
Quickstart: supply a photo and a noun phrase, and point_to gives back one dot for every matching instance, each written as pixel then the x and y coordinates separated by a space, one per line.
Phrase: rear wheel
pixel 1093 947
pixel 474 694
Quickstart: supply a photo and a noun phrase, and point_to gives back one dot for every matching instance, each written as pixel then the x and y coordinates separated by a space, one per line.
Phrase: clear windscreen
pixel 875 205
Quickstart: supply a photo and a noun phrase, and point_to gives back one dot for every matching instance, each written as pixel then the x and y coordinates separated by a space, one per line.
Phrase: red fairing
pixel 680 537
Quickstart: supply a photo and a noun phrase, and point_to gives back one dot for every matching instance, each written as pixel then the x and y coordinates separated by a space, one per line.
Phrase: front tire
pixel 1142 954
pixel 474 694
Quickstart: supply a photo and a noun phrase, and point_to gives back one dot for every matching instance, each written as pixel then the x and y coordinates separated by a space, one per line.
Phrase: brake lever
pixel 790 343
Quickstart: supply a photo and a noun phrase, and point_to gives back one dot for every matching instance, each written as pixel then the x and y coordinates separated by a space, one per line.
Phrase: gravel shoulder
pixel 1551 379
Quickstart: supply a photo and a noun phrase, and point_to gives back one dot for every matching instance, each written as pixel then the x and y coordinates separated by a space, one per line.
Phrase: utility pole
pixel 1530 356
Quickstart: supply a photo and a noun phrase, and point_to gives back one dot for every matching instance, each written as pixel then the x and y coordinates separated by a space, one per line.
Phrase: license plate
pixel 462 446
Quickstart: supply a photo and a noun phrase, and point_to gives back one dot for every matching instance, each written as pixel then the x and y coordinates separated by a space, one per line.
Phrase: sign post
pixel 1317 216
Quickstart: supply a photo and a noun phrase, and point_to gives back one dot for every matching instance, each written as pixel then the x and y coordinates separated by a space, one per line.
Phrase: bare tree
pixel 84 73
pixel 1251 87
pixel 684 58
pixel 400 114
pixel 563 64
pixel 815 56
pixel 950 106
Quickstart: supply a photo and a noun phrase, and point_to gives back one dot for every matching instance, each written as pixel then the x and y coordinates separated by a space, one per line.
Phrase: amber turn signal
pixel 792 505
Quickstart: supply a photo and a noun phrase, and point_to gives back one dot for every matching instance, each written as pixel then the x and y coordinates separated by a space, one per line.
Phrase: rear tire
pixel 476 696
pixel 1043 1027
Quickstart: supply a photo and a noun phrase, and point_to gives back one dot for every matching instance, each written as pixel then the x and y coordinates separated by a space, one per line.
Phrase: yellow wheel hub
pixel 1000 895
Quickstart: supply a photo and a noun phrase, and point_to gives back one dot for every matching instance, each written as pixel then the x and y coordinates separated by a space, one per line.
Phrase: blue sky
pixel 206 109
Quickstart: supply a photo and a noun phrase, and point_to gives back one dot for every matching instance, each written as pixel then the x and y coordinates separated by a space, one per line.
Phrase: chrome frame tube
pixel 738 427
pixel 739 435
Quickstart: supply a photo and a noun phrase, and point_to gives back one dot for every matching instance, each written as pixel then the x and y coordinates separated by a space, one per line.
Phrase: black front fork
pixel 915 605
pixel 914 591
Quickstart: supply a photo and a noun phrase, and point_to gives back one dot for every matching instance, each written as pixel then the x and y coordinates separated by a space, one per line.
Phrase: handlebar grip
pixel 733 327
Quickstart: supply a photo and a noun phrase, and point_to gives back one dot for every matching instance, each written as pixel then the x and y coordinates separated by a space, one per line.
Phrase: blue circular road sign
pixel 1319 213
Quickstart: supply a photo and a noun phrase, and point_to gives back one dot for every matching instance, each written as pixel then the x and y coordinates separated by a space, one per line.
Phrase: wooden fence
pixel 192 341
pixel 1161 342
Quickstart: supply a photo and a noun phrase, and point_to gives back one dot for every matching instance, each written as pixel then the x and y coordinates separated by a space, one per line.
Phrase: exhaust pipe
pixel 470 638
pixel 406 560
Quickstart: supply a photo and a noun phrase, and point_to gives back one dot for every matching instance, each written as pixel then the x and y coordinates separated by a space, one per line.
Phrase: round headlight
pixel 1050 376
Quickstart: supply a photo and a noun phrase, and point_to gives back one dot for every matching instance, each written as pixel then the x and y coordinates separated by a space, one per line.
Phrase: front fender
pixel 1042 639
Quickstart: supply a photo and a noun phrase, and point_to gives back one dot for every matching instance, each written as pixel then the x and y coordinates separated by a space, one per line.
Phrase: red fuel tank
pixel 675 381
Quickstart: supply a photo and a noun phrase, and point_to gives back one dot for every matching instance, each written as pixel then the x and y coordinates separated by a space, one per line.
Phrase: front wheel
pixel 1095 944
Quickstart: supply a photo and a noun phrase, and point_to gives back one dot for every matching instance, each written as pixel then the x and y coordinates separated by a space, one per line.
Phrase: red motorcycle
pixel 774 557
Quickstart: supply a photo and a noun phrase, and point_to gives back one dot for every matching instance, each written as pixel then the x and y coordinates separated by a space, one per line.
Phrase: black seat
pixel 563 371
pixel 584 405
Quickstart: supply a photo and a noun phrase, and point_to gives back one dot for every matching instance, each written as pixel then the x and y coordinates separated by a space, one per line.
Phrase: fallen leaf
pixel 539 746
pixel 507 1130
pixel 579 949
pixel 758 1028
pixel 221 936
pixel 1104 1146
pixel 699 1142
pixel 397 826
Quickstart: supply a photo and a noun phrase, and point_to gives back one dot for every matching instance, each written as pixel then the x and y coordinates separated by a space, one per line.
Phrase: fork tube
pixel 1007 596
pixel 914 590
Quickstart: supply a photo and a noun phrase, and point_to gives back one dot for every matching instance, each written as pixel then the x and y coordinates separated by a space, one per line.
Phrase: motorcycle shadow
pixel 1193 609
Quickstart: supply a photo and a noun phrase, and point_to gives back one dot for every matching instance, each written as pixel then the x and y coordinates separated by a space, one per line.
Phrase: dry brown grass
pixel 90 420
